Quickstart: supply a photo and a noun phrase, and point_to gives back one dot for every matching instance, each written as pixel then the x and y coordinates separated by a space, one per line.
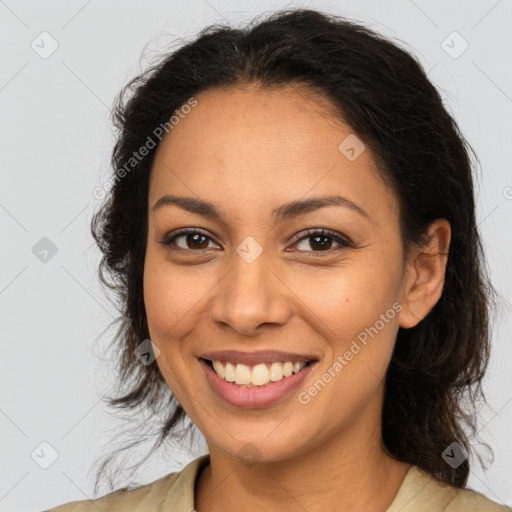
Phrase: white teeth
pixel 276 371
pixel 229 372
pixel 217 365
pixel 297 367
pixel 287 368
pixel 242 374
pixel 260 375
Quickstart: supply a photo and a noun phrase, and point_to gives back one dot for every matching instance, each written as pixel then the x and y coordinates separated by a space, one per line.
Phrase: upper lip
pixel 261 356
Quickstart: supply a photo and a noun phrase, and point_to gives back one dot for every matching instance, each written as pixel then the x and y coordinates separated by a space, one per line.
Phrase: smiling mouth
pixel 257 375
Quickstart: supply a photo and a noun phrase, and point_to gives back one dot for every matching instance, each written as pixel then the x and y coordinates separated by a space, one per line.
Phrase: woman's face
pixel 253 280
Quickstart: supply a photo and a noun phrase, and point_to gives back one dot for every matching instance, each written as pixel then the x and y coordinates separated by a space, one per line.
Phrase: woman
pixel 292 224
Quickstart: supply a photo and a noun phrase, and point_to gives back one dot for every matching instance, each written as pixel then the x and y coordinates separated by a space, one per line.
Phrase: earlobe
pixel 424 280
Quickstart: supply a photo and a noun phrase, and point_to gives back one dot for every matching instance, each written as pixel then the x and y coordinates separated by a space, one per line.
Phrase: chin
pixel 260 448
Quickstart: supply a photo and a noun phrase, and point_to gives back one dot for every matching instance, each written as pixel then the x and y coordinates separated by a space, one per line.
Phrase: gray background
pixel 56 140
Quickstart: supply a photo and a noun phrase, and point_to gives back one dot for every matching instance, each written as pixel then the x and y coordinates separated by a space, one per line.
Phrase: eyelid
pixel 166 241
pixel 341 239
pixel 321 231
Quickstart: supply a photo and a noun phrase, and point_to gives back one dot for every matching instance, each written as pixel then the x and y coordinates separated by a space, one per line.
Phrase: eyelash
pixel 309 233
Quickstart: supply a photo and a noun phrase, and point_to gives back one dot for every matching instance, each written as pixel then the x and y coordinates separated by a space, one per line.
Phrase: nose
pixel 250 295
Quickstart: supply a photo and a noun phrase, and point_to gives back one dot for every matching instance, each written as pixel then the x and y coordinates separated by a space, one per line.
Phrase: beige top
pixel 419 492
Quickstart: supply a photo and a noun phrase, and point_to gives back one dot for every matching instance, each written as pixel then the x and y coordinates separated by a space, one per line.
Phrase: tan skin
pixel 249 151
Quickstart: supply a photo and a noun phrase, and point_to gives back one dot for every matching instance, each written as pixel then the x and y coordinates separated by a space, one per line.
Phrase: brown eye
pixel 193 240
pixel 319 240
pixel 322 240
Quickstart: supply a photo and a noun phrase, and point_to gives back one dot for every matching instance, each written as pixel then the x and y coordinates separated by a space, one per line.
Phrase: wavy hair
pixel 433 382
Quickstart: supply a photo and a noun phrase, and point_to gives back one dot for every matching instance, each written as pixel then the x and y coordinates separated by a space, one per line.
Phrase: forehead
pixel 270 122
pixel 263 147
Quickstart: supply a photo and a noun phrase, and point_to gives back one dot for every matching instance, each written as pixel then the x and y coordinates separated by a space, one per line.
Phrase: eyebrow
pixel 281 213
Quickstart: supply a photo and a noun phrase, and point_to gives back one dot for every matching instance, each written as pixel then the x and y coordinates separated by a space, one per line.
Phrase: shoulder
pixel 122 499
pixel 421 491
pixel 468 500
pixel 171 488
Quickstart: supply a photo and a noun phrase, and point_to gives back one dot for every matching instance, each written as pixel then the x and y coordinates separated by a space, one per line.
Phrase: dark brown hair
pixel 434 379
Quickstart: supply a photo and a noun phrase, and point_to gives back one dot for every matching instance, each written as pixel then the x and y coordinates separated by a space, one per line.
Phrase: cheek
pixel 166 300
pixel 356 317
pixel 346 300
pixel 169 299
pixel 356 311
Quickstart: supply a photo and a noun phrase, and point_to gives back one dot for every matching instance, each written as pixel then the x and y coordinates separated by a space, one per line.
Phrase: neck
pixel 351 472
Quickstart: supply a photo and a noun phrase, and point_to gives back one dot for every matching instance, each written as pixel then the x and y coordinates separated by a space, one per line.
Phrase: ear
pixel 424 276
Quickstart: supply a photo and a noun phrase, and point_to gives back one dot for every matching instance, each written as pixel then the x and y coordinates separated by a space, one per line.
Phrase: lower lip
pixel 258 396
